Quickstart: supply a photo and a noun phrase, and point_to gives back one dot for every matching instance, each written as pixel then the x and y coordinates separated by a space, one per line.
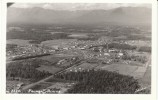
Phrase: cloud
pixel 78 6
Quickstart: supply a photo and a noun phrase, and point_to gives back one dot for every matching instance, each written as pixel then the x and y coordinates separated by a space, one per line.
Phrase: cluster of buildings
pixel 29 50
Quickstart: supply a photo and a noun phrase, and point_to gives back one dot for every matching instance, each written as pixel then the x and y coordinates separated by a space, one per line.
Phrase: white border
pixel 151 96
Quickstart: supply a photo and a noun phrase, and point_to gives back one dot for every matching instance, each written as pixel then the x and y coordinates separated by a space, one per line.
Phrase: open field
pixel 120 68
pixel 57 42
pixel 146 79
pixel 56 80
pixel 18 42
pixel 56 57
pixel 51 58
pixel 41 86
pixel 135 63
pixel 50 69
pixel 82 66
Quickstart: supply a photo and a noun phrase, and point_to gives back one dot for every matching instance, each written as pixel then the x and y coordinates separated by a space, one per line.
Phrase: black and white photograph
pixel 82 50
pixel 78 48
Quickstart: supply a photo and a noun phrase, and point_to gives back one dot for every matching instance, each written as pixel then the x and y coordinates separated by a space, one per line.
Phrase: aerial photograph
pixel 78 48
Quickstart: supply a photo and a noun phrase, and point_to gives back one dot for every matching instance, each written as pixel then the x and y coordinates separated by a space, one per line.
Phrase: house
pixel 120 54
pixel 106 54
pixel 112 50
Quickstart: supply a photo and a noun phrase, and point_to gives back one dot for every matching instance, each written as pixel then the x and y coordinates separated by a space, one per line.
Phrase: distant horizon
pixel 79 13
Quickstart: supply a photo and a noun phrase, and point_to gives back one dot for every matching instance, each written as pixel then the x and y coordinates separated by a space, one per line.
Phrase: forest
pixel 122 46
pixel 100 81
pixel 28 57
pixel 117 46
pixel 145 49
pixel 37 37
pixel 11 47
pixel 26 69
pixel 141 59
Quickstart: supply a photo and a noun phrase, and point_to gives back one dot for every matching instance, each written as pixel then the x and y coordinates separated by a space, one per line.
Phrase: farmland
pixel 120 68
pixel 50 69
pixel 19 42
pixel 82 66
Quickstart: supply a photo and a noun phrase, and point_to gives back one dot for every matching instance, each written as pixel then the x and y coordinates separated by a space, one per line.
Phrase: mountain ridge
pixel 121 15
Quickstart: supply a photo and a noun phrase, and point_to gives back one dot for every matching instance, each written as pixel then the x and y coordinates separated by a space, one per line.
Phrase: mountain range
pixel 121 15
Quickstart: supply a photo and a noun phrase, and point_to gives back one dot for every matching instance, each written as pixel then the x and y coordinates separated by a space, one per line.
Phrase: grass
pixel 50 69
pixel 146 79
pixel 40 86
pixel 57 42
pixel 56 80
pixel 52 58
pixel 83 66
pixel 18 42
pixel 120 68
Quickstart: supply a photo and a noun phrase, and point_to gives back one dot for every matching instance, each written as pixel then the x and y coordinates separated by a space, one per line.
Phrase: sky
pixel 78 6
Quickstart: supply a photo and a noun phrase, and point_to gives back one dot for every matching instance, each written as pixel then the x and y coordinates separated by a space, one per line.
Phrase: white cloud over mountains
pixel 78 6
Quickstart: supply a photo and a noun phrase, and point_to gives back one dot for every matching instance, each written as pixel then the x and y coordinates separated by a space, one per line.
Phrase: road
pixel 144 76
pixel 140 72
pixel 47 78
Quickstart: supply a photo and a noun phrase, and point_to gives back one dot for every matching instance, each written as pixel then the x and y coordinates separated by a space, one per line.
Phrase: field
pixel 53 67
pixel 120 68
pixel 83 66
pixel 56 80
pixel 51 58
pixel 146 80
pixel 50 69
pixel 18 42
pixel 41 86
pixel 54 43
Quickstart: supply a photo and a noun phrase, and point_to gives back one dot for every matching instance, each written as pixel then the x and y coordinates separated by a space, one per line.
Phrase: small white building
pixel 106 54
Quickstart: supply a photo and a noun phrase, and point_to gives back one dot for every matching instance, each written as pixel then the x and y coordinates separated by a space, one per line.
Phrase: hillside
pixel 121 15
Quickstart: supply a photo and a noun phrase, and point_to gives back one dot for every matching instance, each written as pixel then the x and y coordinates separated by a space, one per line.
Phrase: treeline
pixel 37 36
pixel 11 47
pixel 145 49
pixel 34 42
pixel 28 57
pixel 137 37
pixel 141 59
pixel 127 31
pixel 25 69
pixel 121 46
pixel 100 81
pixel 116 46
